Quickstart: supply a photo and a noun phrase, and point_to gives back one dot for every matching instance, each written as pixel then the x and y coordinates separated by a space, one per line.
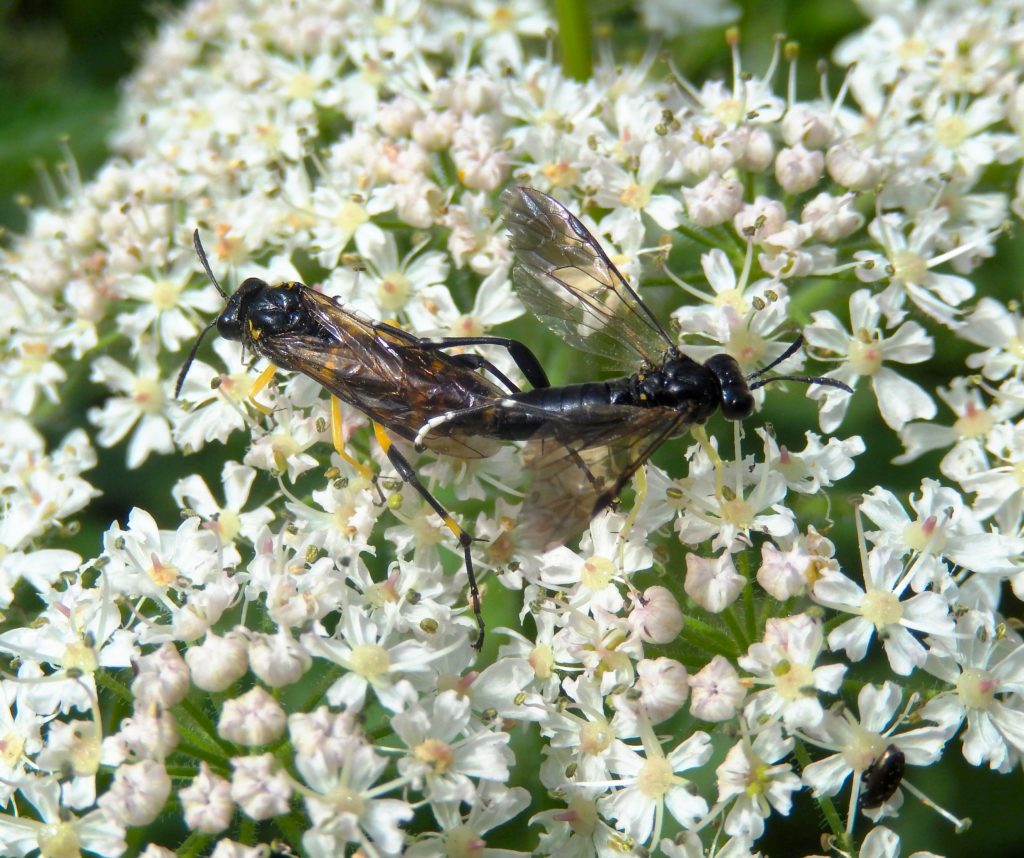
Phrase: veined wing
pixel 384 375
pixel 570 484
pixel 566 280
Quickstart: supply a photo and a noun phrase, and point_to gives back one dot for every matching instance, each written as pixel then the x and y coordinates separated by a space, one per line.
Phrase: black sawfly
pixel 397 380
pixel 585 441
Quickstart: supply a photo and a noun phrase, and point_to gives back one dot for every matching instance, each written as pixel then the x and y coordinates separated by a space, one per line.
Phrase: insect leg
pixel 365 471
pixel 262 380
pixel 525 359
pixel 479 362
pixel 406 472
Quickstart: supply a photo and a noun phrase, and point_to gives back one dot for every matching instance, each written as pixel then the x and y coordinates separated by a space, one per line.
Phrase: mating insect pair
pixel 583 442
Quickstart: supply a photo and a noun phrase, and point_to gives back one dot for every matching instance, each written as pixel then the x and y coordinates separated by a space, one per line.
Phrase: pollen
pixel 370 661
pixel 909 268
pixel 975 423
pixel 923 535
pixel 635 196
pixel 597 572
pixel 436 754
pixel 165 295
pixel 148 395
pixel 976 688
pixel 881 608
pixel 655 778
pixel 393 292
pixel 865 355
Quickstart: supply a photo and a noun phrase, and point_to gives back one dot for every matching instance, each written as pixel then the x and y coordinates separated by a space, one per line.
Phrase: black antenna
pixel 805 379
pixel 191 357
pixel 195 346
pixel 209 271
pixel 792 349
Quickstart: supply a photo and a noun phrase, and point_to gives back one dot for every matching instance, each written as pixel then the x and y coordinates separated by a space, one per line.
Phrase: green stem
pixel 828 808
pixel 574 35
pixel 733 622
pixel 195 844
pixel 708 638
pixel 200 719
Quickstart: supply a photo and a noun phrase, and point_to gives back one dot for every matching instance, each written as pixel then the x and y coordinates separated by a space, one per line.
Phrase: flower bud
pixel 255 718
pixel 161 677
pixel 663 684
pixel 851 167
pixel 656 616
pixel 805 125
pixel 324 735
pixel 832 218
pixel 434 131
pixel 713 201
pixel 138 794
pixel 207 802
pixel 798 169
pixel 760 219
pixel 397 116
pixel 758 149
pixel 151 732
pixel 716 691
pixel 713 583
pixel 260 787
pixel 279 659
pixel 218 661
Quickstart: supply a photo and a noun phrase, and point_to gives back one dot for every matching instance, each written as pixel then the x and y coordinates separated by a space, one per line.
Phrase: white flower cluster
pixel 293 653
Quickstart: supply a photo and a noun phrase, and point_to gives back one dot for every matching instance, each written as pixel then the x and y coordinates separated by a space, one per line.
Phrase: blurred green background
pixel 60 63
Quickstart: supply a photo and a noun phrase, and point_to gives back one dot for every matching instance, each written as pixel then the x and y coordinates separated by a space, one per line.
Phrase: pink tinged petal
pixel 904 651
pixel 829 677
pixel 487 758
pixel 923 747
pixel 910 344
pixel 864 310
pixel 805 712
pixel 827 776
pixel 834 406
pixel 877 705
pixel 951 288
pixel 382 820
pixel 665 211
pixel 685 806
pixel 928 612
pixel 880 842
pixel 900 400
pixel 633 810
pixel 987 553
pixel 835 590
pixel 883 508
pixel 853 637
pixel 982 742
pixel 1010 723
pixel 152 436
pixel 827 332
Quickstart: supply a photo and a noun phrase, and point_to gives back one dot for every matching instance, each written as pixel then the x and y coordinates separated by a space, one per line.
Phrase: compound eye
pixel 737 402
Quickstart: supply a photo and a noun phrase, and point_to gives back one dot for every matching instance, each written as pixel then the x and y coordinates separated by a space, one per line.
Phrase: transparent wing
pixel 384 375
pixel 566 280
pixel 571 484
